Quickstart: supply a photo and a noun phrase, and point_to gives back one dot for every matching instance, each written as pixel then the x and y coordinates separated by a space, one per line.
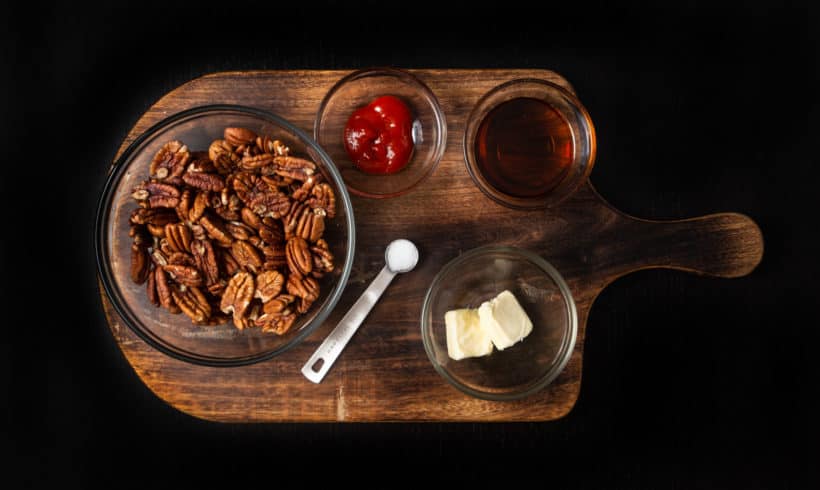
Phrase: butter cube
pixel 465 338
pixel 504 320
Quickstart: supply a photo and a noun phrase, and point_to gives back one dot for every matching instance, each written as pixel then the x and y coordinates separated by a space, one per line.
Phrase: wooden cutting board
pixel 384 374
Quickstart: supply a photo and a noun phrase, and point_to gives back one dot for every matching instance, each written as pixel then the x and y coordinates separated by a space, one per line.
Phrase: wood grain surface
pixel 384 374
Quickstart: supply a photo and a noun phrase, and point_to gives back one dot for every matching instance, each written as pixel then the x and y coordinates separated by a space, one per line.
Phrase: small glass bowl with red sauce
pixel 384 130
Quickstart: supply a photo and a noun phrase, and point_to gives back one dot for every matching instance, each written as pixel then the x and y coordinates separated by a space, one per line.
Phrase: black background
pixel 689 382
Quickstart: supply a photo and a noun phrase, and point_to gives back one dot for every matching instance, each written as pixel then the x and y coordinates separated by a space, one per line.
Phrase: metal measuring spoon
pixel 324 357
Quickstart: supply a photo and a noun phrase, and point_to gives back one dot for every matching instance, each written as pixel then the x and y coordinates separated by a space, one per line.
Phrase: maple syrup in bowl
pixel 529 144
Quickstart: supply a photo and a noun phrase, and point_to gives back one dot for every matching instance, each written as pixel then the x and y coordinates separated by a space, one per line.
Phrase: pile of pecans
pixel 235 231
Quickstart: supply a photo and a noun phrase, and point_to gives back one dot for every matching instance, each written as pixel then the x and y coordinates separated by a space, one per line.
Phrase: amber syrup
pixel 524 147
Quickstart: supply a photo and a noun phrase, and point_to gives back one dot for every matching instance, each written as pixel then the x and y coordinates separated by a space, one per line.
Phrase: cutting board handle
pixel 722 245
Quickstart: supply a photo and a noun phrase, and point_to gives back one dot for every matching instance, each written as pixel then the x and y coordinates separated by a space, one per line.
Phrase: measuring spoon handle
pixel 339 337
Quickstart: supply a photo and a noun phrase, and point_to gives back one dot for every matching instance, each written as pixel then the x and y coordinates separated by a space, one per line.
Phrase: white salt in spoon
pixel 401 256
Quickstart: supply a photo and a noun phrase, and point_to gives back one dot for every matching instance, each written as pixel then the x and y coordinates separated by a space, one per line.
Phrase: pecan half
pixel 164 291
pixel 278 314
pixel 221 153
pixel 256 161
pixel 246 256
pixel 290 222
pixel 279 305
pixel 251 219
pixel 271 231
pixel 270 204
pixel 303 287
pixel 303 191
pixel 216 230
pixel 205 259
pixel 275 250
pixel 201 162
pixel 239 136
pixel 311 225
pixel 322 197
pixel 178 236
pixel 304 222
pixel 247 185
pixel 139 263
pixel 239 231
pixel 322 258
pixel 276 181
pixel 275 257
pixel 268 145
pixel 186 200
pixel 259 196
pixel 226 206
pixel 170 161
pixel 280 325
pixel 158 216
pixel 303 305
pixel 268 285
pixel 181 258
pixel 203 181
pixel 192 302
pixel 229 264
pixel 156 230
pixel 199 205
pixel 184 274
pixel 151 287
pixel 297 253
pixel 157 195
pixel 217 288
pixel 294 167
pixel 237 296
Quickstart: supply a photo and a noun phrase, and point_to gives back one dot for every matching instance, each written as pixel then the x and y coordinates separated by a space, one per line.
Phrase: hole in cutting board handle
pixel 317 365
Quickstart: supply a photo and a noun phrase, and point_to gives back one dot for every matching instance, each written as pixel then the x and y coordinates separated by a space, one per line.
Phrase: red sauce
pixel 378 137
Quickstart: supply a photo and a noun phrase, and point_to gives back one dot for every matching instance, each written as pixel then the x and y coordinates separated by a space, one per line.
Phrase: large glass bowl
pixel 523 368
pixel 175 335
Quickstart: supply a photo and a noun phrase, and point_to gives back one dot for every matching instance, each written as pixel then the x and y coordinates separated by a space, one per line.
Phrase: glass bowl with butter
pixel 499 323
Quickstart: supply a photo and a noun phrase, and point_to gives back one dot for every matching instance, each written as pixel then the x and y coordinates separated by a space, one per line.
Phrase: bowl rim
pixel 438 112
pixel 567 346
pixel 106 276
pixel 520 203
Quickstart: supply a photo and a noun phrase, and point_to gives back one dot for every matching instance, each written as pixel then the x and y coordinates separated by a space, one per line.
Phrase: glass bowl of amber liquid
pixel 529 144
